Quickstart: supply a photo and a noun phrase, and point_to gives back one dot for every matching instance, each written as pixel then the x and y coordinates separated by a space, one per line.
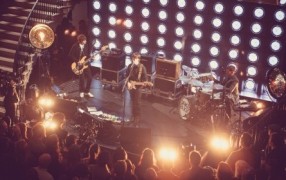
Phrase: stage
pixel 160 120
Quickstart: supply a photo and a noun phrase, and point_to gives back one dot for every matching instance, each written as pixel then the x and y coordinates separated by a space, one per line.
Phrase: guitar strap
pixel 140 72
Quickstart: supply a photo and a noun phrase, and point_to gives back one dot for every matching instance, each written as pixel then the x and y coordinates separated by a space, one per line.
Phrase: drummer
pixel 230 84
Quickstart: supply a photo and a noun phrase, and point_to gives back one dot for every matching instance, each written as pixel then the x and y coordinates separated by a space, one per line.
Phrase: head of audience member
pixel 71 140
pixel 103 158
pixel 52 143
pixel 74 155
pixel 94 150
pixel 120 169
pixel 60 119
pixel 44 160
pixel 3 128
pixel 119 154
pixel 276 140
pixel 273 128
pixel 224 171
pixel 243 170
pixel 245 140
pixel 130 167
pixel 23 128
pixel 147 158
pixel 195 159
pixel 38 131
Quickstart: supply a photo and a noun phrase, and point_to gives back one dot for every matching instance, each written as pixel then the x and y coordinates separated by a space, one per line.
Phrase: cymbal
pixel 218 87
pixel 196 83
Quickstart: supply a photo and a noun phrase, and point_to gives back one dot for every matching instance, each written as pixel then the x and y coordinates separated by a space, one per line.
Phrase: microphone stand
pixel 123 92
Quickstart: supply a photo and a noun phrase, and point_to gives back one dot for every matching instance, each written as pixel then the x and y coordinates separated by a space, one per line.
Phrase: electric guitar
pixel 82 64
pixel 133 84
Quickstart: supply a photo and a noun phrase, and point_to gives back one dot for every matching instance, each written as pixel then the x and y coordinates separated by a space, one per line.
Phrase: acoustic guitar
pixel 133 84
pixel 82 64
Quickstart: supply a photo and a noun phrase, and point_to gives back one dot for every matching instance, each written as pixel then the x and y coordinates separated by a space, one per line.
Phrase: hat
pixel 232 66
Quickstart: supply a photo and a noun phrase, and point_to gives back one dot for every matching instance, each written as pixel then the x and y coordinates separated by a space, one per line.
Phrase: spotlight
pixel 168 154
pixel 49 124
pixel 46 101
pixel 220 143
pixel 73 33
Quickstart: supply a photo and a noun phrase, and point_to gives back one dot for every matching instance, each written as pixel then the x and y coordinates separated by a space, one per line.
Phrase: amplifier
pixel 114 62
pixel 149 62
pixel 168 68
pixel 112 77
pixel 167 88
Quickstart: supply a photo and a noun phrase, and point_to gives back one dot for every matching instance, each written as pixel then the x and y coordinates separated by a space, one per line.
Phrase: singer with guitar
pixel 77 53
pixel 136 74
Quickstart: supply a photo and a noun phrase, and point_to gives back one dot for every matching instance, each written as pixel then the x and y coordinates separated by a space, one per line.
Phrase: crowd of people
pixel 35 152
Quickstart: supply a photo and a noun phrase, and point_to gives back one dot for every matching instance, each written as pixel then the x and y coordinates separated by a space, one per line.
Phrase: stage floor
pixel 159 115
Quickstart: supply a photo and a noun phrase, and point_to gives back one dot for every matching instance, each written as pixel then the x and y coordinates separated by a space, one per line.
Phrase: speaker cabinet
pixel 168 68
pixel 167 88
pixel 113 61
pixel 135 139
pixel 149 62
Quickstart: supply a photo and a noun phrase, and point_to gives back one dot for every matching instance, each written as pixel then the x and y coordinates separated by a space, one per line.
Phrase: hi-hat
pixel 41 36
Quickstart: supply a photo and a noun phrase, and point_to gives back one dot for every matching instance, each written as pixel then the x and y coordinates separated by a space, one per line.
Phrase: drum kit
pixel 203 96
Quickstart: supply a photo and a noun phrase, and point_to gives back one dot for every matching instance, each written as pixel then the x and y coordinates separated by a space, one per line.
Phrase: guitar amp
pixel 168 68
pixel 113 62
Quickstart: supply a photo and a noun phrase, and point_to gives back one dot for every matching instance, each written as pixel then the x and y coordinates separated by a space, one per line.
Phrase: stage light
pixel 112 20
pixel 259 105
pixel 235 40
pixel 96 18
pixel 73 33
pixel 128 23
pixel 282 2
pixel 111 34
pixel 164 2
pixel 162 15
pixel 67 32
pixel 181 3
pixel 275 45
pixel 213 64
pixel 214 51
pixel 146 1
pixel 96 5
pixel 127 37
pixel 220 144
pixel 145 12
pixel 236 25
pixel 180 17
pixel 162 29
pixel 254 43
pixel 195 61
pixel 273 60
pixel 217 22
pixel 198 20
pixel 197 34
pixel 178 45
pixel 128 9
pixel 233 53
pixel 178 57
pixel 277 31
pixel 96 31
pixel 258 13
pixel 145 26
pixel 196 47
pixel 144 39
pixel 128 49
pixel 256 28
pixel 250 84
pixel 168 154
pixel 218 8
pixel 252 57
pixel 161 42
pixel 251 71
pixel 216 37
pixel 112 7
pixel 200 5
pixel 179 31
pixel 112 45
pixel 119 21
pixel 143 50
pixel 279 15
pixel 238 10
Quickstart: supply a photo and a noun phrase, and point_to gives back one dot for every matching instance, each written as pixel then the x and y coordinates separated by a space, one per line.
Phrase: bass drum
pixel 187 107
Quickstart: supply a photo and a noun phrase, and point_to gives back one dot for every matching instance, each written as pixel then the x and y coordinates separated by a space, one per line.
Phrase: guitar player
pixel 136 72
pixel 77 52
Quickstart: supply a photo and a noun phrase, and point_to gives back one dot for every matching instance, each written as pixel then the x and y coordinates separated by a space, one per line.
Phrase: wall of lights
pixel 203 34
